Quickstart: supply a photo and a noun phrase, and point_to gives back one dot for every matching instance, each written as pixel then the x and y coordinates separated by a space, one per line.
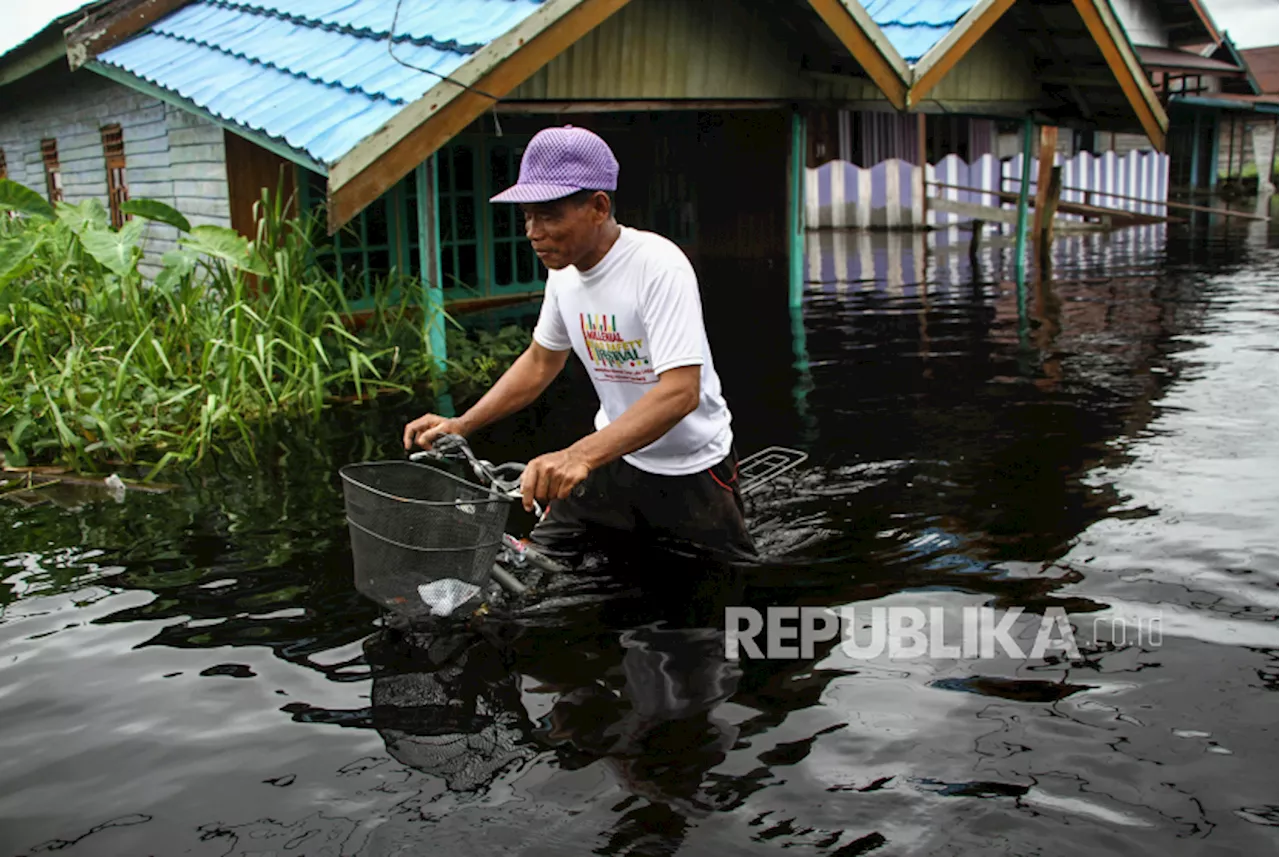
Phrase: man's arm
pixel 526 379
pixel 674 397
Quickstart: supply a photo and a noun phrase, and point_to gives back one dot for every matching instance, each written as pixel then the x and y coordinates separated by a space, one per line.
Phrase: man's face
pixel 564 231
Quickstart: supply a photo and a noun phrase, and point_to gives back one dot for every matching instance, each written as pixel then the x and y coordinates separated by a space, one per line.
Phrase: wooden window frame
pixel 117 183
pixel 52 169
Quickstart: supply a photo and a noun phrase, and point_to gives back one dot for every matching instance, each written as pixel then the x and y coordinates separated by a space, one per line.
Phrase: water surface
pixel 193 673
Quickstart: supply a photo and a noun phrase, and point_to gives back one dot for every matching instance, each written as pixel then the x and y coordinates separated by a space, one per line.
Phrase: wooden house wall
pixel 255 168
pixel 170 155
pixel 675 49
pixel 991 73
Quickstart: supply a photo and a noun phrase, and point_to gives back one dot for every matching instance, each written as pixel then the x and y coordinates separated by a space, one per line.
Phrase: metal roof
pixel 1264 65
pixel 915 26
pixel 1174 59
pixel 315 74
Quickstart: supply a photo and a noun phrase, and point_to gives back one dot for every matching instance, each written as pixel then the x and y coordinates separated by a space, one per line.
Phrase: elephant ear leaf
pixel 153 210
pixel 225 244
pixel 87 215
pixel 14 253
pixel 22 199
pixel 115 251
pixel 177 265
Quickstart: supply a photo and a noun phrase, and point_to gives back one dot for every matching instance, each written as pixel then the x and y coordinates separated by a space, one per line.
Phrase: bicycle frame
pixel 515 552
pixel 756 469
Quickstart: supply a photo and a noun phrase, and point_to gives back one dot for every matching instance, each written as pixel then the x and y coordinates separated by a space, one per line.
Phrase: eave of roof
pixel 1246 103
pixel 314 79
pixel 1264 65
pixel 1173 59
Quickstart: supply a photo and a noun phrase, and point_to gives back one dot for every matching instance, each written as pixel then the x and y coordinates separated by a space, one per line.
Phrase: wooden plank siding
pixel 992 72
pixel 170 156
pixel 672 49
pixel 255 168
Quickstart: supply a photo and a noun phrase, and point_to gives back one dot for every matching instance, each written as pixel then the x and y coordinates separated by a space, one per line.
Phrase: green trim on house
pixel 483 249
pixel 373 243
pixel 440 213
pixel 795 214
pixel 428 239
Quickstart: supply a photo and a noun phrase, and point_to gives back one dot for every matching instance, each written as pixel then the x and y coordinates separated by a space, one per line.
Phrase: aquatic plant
pixel 101 365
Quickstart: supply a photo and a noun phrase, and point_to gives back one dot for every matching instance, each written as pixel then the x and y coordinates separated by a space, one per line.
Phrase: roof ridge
pixel 933 25
pixel 265 64
pixel 362 32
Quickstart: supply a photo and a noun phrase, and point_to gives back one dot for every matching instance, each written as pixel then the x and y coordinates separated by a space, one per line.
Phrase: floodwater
pixel 193 672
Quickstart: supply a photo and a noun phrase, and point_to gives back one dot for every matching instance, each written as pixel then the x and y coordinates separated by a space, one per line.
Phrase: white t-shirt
pixel 634 315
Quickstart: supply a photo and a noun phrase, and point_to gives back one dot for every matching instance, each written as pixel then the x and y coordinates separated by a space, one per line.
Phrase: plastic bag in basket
pixel 443 596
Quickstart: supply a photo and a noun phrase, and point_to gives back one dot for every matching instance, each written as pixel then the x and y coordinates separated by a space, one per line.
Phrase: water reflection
pixel 194 670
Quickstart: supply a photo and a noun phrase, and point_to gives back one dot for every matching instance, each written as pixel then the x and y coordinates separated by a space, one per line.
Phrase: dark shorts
pixel 701 513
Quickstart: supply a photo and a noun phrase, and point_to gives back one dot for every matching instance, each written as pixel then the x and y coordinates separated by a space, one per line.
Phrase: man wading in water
pixel 661 460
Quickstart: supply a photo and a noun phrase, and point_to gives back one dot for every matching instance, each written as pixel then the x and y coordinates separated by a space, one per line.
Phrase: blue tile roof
pixel 915 26
pixel 314 74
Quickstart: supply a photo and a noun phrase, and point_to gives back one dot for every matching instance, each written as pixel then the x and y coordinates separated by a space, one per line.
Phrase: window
pixel 117 188
pixel 382 237
pixel 483 248
pixel 459 232
pixel 515 266
pixel 52 172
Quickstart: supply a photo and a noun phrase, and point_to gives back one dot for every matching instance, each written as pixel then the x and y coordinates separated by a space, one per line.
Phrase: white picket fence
pixel 890 195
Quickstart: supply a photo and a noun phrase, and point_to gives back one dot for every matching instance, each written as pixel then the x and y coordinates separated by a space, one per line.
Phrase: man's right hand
pixel 425 429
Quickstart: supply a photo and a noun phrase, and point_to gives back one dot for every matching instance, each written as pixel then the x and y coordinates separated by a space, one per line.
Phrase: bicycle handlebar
pixel 455 446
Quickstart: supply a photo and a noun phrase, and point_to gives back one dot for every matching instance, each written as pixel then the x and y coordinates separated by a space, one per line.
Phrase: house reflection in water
pixel 937 264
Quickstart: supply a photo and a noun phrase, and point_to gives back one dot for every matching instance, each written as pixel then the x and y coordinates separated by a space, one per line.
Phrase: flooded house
pixel 398 120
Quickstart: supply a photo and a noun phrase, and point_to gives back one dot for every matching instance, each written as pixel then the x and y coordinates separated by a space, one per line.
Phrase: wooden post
pixel 1275 146
pixel 1020 242
pixel 922 146
pixel 1045 237
pixel 1195 152
pixel 975 245
pixel 1048 146
pixel 1215 128
pixel 1231 144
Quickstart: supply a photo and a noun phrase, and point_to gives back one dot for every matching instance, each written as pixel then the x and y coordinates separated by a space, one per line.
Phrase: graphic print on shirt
pixel 614 357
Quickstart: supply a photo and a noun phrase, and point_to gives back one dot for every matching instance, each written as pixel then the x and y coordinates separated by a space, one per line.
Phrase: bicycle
pixel 428 543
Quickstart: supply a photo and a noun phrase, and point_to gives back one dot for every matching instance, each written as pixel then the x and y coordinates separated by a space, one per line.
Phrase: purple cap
pixel 561 161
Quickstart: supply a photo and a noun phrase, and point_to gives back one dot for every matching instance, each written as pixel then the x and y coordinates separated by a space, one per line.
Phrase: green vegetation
pixel 103 367
pixel 1248 172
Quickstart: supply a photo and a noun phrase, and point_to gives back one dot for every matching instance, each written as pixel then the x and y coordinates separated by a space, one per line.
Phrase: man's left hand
pixel 551 477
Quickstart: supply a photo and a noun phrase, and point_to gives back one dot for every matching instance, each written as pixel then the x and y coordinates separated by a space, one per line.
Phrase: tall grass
pixel 100 366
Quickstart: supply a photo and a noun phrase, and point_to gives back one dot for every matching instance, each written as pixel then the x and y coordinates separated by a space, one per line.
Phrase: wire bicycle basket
pixel 414 525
